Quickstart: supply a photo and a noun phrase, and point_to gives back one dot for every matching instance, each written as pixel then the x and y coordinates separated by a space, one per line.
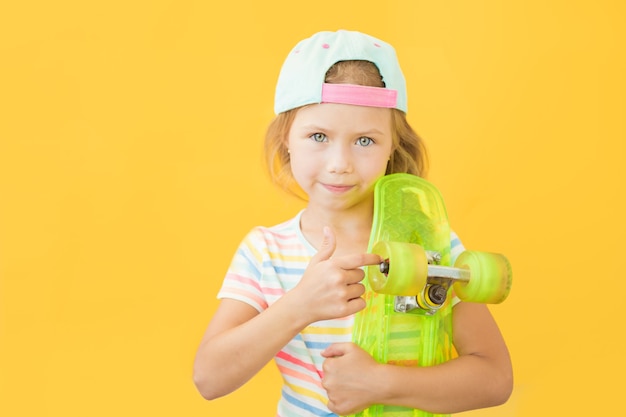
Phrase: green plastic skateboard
pixel 408 320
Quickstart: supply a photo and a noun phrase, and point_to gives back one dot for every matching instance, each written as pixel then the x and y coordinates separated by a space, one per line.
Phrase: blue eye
pixel 318 137
pixel 364 141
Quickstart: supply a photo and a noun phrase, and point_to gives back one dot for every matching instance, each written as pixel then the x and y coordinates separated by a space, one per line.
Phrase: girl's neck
pixel 351 227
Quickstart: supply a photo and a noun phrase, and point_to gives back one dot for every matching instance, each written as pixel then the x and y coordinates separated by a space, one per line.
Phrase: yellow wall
pixel 130 168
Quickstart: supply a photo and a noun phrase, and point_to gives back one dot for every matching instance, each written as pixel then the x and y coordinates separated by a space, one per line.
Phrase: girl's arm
pixel 480 377
pixel 239 341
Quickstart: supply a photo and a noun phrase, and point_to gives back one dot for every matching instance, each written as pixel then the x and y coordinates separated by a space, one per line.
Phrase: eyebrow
pixel 316 127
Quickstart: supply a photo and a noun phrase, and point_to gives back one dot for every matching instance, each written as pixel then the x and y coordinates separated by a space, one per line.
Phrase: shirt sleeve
pixel 243 278
pixel 456 247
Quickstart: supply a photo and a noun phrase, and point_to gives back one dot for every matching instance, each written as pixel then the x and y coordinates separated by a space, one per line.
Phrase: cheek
pixel 375 167
pixel 302 166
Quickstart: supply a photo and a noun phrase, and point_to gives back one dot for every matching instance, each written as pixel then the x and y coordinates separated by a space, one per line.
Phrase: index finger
pixel 359 260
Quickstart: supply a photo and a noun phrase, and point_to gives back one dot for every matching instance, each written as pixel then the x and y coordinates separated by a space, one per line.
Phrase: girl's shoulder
pixel 285 236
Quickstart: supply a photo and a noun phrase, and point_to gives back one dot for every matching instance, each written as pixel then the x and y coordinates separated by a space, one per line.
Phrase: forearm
pixel 227 359
pixel 481 376
pixel 465 383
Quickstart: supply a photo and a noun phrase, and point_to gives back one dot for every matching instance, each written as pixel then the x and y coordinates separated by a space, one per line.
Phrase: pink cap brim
pixel 359 95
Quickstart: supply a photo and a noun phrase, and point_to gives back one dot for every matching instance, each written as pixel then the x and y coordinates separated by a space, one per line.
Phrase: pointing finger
pixel 359 260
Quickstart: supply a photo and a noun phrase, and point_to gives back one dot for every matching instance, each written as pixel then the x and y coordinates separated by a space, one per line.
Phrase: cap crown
pixel 301 78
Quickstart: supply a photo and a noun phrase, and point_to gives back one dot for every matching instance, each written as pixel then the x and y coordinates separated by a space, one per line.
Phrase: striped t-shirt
pixel 268 263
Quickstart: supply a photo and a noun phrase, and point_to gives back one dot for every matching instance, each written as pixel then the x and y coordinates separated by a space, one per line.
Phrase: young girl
pixel 292 290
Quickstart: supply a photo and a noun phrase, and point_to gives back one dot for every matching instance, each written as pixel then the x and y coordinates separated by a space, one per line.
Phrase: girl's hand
pixel 349 378
pixel 331 287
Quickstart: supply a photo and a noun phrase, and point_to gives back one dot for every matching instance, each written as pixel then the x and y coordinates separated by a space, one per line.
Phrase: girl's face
pixel 338 151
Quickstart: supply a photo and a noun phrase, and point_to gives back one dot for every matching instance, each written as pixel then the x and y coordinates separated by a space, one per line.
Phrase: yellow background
pixel 130 168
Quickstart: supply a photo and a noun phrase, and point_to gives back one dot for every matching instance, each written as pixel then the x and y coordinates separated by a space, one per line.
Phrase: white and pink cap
pixel 301 79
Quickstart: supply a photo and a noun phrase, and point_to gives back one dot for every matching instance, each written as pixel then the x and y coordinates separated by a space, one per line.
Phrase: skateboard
pixel 407 320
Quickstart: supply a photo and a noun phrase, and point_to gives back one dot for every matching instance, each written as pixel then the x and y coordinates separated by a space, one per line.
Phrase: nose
pixel 339 159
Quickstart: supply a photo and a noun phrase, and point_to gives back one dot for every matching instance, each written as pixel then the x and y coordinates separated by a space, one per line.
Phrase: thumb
pixel 334 350
pixel 327 248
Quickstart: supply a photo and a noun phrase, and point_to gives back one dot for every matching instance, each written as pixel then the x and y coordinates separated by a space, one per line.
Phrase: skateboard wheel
pixel 406 268
pixel 490 277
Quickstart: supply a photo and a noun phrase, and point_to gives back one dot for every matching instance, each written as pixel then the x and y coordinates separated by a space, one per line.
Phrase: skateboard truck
pixel 420 284
pixel 435 292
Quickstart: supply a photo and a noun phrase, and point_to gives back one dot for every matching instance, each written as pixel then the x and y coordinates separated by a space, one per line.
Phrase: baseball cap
pixel 301 78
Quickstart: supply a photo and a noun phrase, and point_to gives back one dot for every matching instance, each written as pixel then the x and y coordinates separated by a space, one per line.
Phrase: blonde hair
pixel 408 152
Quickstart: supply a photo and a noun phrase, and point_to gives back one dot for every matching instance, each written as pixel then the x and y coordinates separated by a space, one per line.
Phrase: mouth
pixel 338 188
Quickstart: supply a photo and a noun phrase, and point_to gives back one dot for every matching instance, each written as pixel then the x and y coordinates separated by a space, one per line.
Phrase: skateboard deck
pixel 407 320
